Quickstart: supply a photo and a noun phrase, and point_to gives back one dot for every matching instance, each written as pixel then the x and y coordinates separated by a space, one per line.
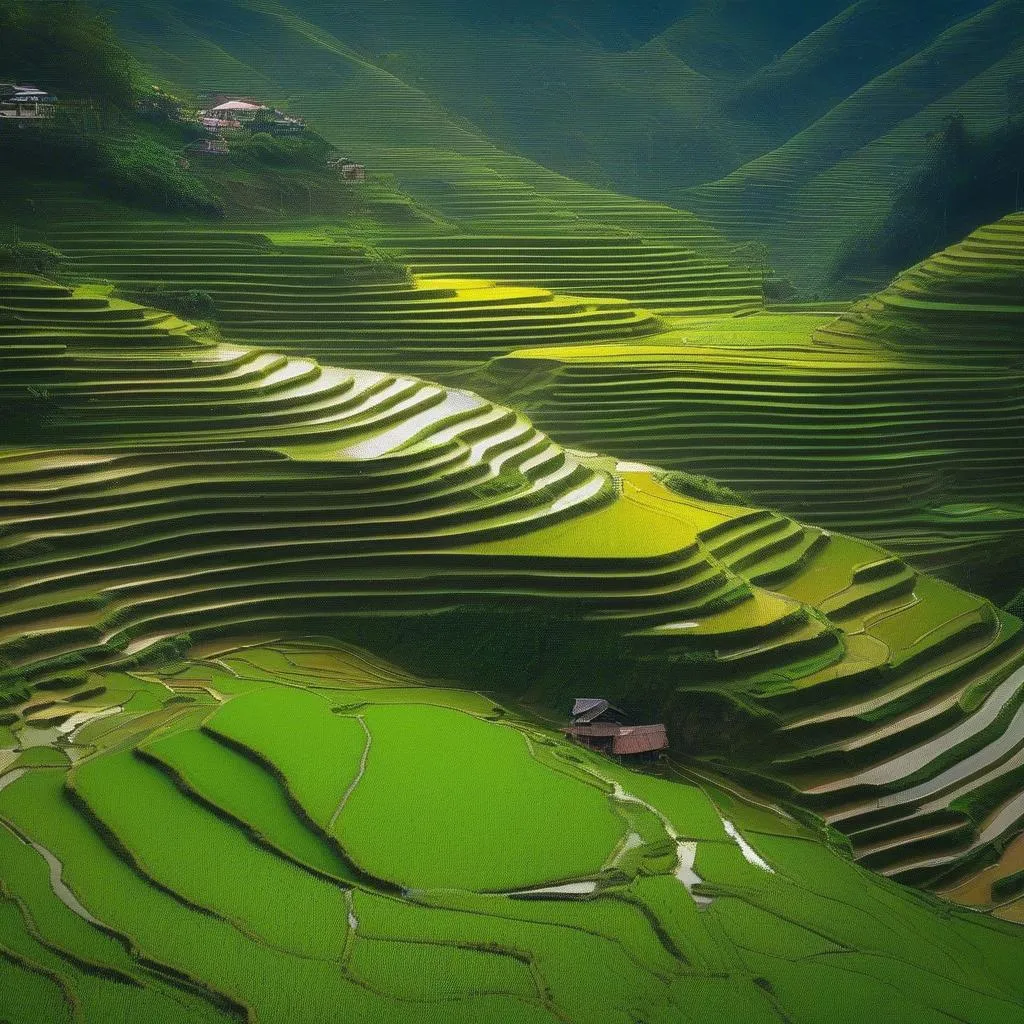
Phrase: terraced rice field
pixel 313 297
pixel 657 276
pixel 170 489
pixel 900 421
pixel 479 211
pixel 255 837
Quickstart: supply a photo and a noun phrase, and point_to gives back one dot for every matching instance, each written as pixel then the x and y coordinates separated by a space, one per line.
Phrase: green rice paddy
pixel 175 877
pixel 214 490
pixel 897 421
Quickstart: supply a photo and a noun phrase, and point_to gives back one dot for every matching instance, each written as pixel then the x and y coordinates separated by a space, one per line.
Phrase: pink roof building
pixel 237 107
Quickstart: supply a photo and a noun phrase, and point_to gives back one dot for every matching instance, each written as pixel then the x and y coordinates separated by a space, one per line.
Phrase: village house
pixel 601 726
pixel 234 114
pixel 219 124
pixel 25 102
pixel 237 110
pixel 348 169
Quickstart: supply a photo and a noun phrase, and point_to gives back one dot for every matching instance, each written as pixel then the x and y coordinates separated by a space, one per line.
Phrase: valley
pixel 361 416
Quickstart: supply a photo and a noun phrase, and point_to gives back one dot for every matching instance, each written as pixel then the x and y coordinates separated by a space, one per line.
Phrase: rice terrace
pixel 511 515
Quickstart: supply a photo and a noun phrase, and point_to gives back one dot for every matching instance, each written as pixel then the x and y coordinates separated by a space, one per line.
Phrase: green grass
pixel 281 727
pixel 247 792
pixel 93 968
pixel 283 908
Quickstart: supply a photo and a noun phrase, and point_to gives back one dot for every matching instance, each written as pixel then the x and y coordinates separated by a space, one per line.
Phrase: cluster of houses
pixel 227 113
pixel 349 170
pixel 25 103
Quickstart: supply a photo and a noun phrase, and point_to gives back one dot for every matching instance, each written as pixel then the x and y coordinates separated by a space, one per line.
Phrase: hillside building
pixel 239 110
pixel 599 725
pixel 212 99
pixel 234 114
pixel 25 102
pixel 348 169
pixel 220 124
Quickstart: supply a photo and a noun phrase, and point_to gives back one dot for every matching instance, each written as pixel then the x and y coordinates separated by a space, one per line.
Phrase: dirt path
pixel 359 775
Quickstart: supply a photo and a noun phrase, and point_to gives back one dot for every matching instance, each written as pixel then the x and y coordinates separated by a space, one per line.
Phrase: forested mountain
pixel 769 119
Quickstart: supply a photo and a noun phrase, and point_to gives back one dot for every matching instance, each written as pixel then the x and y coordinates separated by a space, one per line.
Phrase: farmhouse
pixel 237 112
pixel 601 726
pixel 219 124
pixel 348 169
pixel 240 110
pixel 25 102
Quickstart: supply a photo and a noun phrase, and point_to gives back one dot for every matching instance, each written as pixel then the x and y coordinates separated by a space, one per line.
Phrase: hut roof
pixel 640 739
pixel 239 105
pixel 626 739
pixel 586 709
pixel 594 729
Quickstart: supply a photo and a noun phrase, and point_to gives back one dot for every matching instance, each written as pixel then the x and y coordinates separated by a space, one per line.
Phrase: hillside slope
pixel 795 126
pixel 168 488
pixel 900 421
pixel 396 128
pixel 811 197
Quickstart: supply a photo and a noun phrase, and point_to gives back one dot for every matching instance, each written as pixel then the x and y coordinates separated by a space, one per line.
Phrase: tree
pixel 65 47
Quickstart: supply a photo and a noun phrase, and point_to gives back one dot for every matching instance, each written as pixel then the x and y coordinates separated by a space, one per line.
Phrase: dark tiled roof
pixel 586 708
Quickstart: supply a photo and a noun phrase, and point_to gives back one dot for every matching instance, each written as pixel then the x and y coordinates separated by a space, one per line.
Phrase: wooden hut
pixel 601 726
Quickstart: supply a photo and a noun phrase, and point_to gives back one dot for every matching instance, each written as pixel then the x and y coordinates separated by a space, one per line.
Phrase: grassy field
pixel 504 832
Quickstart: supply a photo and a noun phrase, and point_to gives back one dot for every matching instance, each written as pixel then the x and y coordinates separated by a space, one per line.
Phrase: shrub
pixel 133 168
pixel 31 258
pixel 13 691
pixel 1006 888
pixel 159 107
pixel 703 487
pixel 190 303
pixel 147 173
pixel 261 148
pixel 779 289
